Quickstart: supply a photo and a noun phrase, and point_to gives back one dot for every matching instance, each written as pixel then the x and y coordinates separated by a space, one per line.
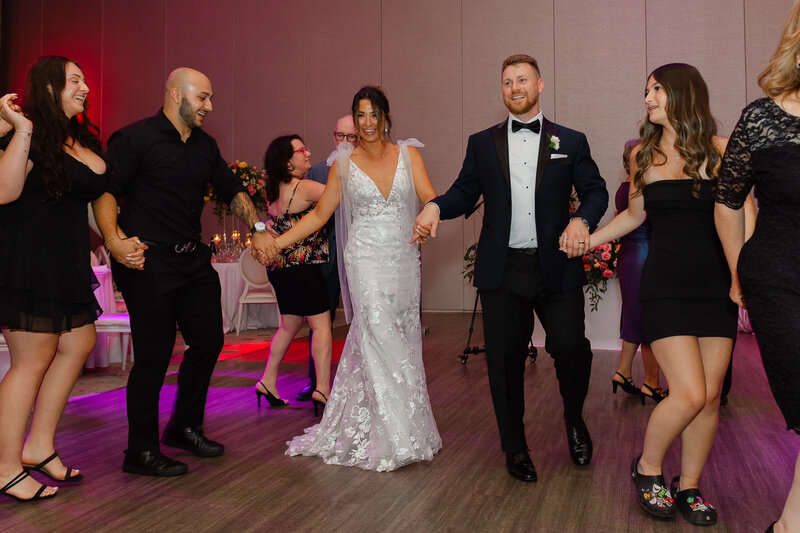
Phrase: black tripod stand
pixel 533 353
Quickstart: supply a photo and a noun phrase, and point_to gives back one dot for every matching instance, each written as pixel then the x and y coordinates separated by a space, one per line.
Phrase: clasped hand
pixel 575 240
pixel 264 248
pixel 128 252
pixel 426 224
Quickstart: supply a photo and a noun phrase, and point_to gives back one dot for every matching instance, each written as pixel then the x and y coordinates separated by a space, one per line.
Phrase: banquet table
pixel 258 316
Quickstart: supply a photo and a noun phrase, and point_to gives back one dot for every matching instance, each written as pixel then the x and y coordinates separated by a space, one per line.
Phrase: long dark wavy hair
pixel 276 158
pixel 689 113
pixel 380 104
pixel 51 127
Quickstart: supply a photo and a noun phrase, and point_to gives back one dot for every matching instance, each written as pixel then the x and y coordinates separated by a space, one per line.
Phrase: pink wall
pixel 280 67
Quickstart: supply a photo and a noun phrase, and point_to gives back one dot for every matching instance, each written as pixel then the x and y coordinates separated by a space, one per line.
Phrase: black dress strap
pixel 292 198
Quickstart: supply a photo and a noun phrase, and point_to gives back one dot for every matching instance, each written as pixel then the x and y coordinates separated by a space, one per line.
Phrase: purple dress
pixel 631 258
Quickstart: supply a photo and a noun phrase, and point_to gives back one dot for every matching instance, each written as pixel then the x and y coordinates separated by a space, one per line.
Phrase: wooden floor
pixel 255 487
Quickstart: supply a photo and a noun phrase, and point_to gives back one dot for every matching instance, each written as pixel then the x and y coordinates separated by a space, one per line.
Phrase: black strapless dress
pixel 685 278
pixel 46 278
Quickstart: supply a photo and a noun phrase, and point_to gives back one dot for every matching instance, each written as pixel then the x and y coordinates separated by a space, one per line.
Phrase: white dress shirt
pixel 523 159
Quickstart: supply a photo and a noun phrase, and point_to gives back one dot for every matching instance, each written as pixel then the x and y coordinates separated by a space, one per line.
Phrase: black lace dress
pixel 764 151
pixel 46 278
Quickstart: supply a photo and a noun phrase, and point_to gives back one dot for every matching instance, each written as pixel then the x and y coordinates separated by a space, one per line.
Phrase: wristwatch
pixel 258 227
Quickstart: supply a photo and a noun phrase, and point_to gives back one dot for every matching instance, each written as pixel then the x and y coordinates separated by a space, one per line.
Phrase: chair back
pixel 254 273
pixel 102 256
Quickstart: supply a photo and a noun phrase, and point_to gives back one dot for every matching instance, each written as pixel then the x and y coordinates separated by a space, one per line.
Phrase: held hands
pixel 575 239
pixel 264 248
pixel 426 224
pixel 128 252
pixel 11 116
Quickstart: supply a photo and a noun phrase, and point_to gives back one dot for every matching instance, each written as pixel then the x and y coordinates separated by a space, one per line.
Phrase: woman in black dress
pixel 764 151
pixel 47 305
pixel 295 275
pixel 689 320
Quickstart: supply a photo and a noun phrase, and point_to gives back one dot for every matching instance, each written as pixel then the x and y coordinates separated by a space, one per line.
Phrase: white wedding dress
pixel 378 415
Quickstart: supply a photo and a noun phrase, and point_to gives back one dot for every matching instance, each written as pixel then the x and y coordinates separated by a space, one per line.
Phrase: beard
pixel 522 107
pixel 186 113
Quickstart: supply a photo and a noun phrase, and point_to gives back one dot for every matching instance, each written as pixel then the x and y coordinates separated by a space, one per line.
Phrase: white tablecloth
pixel 258 315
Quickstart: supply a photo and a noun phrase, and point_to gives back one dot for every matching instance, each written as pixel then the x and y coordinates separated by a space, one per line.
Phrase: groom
pixel 525 169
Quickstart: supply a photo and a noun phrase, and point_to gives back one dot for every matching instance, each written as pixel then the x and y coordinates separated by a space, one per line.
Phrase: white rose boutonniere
pixel 555 142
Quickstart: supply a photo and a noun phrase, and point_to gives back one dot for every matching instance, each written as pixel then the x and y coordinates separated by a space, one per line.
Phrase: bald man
pixel 161 168
pixel 344 131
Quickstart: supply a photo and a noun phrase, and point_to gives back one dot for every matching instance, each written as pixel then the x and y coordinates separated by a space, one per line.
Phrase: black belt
pixel 177 247
pixel 523 251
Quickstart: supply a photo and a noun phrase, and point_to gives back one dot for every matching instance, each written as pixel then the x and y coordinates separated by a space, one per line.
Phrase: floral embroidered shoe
pixel 652 493
pixel 694 508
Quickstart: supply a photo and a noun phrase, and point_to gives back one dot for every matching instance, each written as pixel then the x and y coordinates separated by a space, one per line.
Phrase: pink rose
pixel 607 247
pixel 605 256
pixel 607 273
pixel 603 265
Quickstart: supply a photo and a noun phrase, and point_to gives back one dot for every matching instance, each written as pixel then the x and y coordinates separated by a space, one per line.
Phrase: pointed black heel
pixel 273 400
pixel 656 394
pixel 627 385
pixel 318 404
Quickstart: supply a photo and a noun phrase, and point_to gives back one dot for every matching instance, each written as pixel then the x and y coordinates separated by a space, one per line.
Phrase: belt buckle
pixel 184 248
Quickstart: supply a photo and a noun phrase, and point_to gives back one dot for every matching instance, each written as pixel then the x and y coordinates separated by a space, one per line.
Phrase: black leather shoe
pixel 193 440
pixel 305 394
pixel 520 466
pixel 580 443
pixel 152 463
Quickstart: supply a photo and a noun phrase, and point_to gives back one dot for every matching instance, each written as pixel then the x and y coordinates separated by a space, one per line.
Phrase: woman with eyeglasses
pixel 296 275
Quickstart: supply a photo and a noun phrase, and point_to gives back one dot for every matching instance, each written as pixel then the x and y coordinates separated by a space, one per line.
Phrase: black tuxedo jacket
pixel 486 172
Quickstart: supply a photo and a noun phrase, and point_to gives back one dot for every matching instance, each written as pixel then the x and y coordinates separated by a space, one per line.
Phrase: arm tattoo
pixel 242 206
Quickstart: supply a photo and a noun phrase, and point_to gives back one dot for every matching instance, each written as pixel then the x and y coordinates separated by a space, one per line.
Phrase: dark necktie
pixel 516 125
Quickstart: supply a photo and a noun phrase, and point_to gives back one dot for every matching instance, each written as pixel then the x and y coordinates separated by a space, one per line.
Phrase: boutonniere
pixel 555 142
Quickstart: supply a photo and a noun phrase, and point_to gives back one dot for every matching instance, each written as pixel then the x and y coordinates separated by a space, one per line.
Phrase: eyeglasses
pixel 351 137
pixel 303 149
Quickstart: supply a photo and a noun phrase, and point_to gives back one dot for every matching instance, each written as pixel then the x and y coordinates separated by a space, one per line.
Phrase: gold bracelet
pixel 23 131
pixel 105 243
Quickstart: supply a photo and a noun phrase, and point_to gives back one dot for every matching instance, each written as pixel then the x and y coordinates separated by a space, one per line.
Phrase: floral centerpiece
pixel 600 265
pixel 253 179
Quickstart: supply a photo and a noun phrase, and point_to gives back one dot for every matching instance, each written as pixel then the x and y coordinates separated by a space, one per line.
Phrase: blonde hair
pixel 782 74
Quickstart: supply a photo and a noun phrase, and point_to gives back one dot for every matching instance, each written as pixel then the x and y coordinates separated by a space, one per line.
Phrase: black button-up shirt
pixel 160 180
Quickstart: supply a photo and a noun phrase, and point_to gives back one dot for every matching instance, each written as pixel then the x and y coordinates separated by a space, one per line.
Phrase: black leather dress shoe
pixel 520 466
pixel 580 443
pixel 152 463
pixel 305 393
pixel 193 440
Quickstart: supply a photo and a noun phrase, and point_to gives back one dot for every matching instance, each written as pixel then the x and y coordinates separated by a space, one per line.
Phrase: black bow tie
pixel 516 125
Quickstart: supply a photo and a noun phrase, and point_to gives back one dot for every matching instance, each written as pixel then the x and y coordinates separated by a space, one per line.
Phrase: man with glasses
pixel 162 166
pixel 345 131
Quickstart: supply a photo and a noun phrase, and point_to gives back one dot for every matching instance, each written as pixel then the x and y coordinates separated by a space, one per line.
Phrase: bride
pixel 378 416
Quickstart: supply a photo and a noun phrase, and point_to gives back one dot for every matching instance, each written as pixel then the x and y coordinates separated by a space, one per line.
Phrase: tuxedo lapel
pixel 548 129
pixel 500 134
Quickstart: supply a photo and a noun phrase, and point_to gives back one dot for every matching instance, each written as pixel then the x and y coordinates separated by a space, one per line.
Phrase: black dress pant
pixel 180 289
pixel 508 324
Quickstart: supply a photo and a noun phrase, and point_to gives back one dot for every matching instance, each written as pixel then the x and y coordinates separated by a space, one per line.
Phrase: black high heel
pixel 318 403
pixel 273 400
pixel 627 385
pixel 35 498
pixel 656 394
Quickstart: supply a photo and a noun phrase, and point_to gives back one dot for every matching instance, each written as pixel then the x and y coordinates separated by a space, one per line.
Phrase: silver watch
pixel 259 227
